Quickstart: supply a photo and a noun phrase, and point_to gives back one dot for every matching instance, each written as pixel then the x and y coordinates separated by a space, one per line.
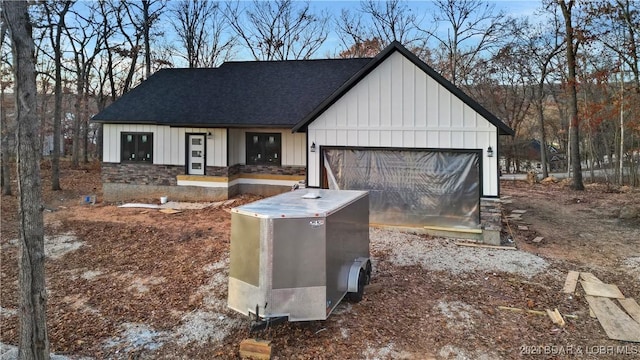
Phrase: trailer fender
pixel 354 272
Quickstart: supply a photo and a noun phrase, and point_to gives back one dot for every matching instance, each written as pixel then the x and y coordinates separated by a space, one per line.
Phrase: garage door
pixel 410 187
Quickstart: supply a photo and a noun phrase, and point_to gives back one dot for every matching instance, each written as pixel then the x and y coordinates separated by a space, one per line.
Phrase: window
pixel 263 149
pixel 137 147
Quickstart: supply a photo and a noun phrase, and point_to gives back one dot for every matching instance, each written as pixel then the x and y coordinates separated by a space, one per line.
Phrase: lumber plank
pixel 571 282
pixel 255 349
pixel 535 312
pixel 589 277
pixel 615 322
pixel 538 239
pixel 170 211
pixel 556 317
pixel 460 243
pixel 632 308
pixel 601 289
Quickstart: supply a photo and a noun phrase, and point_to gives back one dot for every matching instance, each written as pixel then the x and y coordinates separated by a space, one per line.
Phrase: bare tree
pixel 392 20
pixel 33 342
pixel 616 25
pixel 540 45
pixel 143 18
pixel 203 32
pixel 567 8
pixel 278 30
pixel 383 23
pixel 474 27
pixel 56 26
pixel 503 88
pixel 5 177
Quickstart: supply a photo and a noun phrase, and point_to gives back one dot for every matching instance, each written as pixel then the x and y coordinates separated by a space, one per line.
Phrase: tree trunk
pixel 85 124
pixel 574 133
pixel 57 110
pixel 75 158
pixel 543 136
pixel 5 153
pixel 145 28
pixel 33 342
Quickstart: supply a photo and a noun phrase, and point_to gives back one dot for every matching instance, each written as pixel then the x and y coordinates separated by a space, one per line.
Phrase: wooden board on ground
pixel 537 239
pixel 571 282
pixel 255 349
pixel 632 308
pixel 601 289
pixel 536 312
pixel 615 322
pixel 589 277
pixel 556 317
pixel 169 211
pixel 523 228
pixel 459 243
pixel 519 211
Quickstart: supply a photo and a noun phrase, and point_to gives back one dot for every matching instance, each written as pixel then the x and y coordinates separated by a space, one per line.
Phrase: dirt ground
pixel 137 283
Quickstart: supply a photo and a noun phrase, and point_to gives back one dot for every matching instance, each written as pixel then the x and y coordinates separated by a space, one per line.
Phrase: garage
pixel 410 187
pixel 420 145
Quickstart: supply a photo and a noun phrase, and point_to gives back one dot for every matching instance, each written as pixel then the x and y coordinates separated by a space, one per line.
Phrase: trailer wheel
pixel 357 296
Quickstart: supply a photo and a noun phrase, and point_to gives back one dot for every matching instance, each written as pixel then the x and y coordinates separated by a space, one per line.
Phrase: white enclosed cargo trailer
pixel 296 255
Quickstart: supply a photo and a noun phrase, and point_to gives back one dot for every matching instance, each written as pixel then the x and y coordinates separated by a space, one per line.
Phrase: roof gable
pixel 375 62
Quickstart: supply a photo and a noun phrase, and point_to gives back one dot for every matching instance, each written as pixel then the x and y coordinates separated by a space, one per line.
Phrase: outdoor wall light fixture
pixel 209 135
pixel 313 147
pixel 489 151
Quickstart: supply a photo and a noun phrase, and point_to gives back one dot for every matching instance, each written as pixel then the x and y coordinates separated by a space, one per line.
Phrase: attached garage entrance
pixel 410 187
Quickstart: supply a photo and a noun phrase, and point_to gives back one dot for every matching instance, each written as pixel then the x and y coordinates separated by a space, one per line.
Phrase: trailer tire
pixel 358 295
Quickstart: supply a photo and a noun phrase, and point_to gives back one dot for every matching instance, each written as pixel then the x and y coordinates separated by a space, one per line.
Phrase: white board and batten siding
pixel 293 146
pixel 399 105
pixel 169 143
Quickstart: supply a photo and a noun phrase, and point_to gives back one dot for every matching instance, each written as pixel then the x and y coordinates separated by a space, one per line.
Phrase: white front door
pixel 195 154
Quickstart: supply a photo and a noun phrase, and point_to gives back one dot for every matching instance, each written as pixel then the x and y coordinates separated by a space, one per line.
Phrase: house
pixel 389 124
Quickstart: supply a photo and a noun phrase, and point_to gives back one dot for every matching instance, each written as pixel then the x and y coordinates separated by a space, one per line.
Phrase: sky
pixel 333 46
pixel 424 9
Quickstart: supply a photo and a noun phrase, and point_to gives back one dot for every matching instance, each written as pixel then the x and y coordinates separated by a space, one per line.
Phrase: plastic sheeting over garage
pixel 410 187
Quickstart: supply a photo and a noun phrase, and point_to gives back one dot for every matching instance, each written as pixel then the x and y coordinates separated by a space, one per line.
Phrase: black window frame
pixel 262 152
pixel 137 148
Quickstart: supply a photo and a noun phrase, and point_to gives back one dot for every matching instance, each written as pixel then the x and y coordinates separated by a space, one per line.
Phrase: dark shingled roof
pixel 237 94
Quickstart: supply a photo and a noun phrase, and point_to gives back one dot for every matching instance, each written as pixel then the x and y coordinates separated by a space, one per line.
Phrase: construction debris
pixel 536 312
pixel 571 282
pixel 556 317
pixel 601 290
pixel 615 322
pixel 631 307
pixel 589 277
pixel 538 239
pixel 170 211
pixel 255 349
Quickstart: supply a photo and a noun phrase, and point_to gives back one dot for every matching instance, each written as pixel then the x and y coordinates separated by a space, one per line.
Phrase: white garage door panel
pixel 410 187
